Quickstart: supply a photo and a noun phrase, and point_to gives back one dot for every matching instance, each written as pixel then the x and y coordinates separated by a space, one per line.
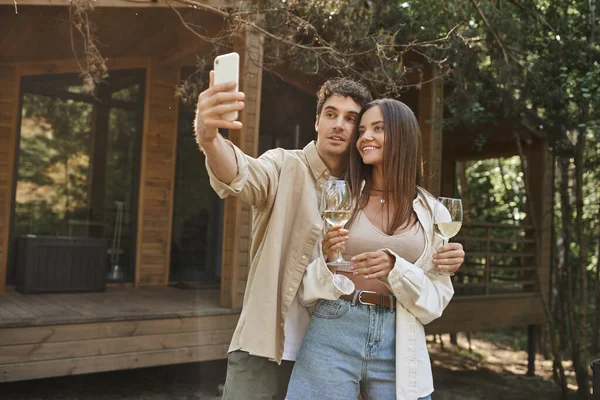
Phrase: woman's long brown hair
pixel 402 163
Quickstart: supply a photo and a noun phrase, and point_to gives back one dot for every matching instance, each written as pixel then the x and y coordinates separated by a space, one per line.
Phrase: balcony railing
pixel 500 259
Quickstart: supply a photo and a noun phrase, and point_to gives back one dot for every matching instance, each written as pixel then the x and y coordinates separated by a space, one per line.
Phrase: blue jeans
pixel 347 350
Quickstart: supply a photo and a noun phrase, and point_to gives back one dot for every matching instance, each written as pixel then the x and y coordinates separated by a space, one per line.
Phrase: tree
pixel 540 62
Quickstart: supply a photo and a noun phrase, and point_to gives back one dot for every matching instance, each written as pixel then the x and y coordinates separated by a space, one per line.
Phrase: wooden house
pixel 112 187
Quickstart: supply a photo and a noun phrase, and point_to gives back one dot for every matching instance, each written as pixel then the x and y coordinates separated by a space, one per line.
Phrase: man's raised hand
pixel 212 104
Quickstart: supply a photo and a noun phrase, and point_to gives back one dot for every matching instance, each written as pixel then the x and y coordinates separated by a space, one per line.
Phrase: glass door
pixel 197 213
pixel 77 167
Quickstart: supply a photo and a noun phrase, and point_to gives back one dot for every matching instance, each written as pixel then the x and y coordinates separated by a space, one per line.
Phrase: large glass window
pixel 287 115
pixel 197 212
pixel 78 163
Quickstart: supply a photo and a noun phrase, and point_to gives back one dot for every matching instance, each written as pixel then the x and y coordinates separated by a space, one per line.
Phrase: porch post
pixel 9 116
pixel 448 175
pixel 237 215
pixel 157 176
pixel 431 106
pixel 532 336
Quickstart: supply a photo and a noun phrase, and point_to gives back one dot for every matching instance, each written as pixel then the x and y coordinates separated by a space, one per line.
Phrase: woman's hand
pixel 449 258
pixel 373 265
pixel 334 241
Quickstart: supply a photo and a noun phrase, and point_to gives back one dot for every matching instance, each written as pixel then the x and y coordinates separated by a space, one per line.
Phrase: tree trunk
pixel 550 325
pixel 544 345
pixel 558 305
pixel 554 268
pixel 461 170
pixel 596 329
pixel 583 283
pixel 581 373
pixel 505 185
pixel 564 321
pixel 580 362
pixel 463 185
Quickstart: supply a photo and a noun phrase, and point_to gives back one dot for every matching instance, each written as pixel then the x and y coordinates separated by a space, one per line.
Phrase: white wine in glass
pixel 336 204
pixel 337 217
pixel 447 221
pixel 447 230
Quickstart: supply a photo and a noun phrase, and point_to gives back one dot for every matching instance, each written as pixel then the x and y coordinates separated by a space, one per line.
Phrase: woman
pixel 366 334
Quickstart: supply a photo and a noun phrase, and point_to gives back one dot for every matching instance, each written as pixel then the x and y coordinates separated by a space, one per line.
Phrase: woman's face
pixel 371 137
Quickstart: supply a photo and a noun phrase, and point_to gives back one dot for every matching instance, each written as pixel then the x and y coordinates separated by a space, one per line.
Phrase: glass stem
pixel 339 258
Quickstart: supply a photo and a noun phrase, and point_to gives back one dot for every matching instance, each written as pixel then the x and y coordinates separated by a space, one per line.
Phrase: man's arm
pixel 212 104
pixel 231 172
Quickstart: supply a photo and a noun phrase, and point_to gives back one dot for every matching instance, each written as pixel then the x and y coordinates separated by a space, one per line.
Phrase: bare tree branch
pixel 299 35
pixel 95 70
pixel 535 13
pixel 491 30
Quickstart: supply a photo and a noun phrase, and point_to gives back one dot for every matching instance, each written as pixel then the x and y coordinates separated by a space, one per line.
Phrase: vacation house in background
pixel 114 251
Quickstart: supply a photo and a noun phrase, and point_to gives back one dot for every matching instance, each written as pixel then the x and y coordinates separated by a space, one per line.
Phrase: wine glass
pixel 336 204
pixel 447 221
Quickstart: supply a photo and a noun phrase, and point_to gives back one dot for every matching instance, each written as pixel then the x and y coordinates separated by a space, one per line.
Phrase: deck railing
pixel 500 258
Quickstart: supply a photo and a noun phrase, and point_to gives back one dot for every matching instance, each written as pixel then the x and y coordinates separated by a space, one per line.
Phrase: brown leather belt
pixel 368 298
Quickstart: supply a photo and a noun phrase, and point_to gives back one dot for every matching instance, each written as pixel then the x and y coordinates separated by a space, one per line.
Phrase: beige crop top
pixel 365 237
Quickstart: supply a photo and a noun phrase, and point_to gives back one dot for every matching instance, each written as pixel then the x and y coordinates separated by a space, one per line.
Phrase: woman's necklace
pixel 382 200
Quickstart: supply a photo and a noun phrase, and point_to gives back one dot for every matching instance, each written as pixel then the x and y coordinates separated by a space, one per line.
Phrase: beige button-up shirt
pixel 283 188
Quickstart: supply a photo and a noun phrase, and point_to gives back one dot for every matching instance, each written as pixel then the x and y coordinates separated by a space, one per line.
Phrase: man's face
pixel 335 125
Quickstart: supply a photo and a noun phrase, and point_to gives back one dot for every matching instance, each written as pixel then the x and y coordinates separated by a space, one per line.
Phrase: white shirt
pixel 297 320
pixel 296 324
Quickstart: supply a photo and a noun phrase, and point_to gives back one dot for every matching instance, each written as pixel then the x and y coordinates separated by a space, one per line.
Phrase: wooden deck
pixel 116 304
pixel 44 335
pixel 475 313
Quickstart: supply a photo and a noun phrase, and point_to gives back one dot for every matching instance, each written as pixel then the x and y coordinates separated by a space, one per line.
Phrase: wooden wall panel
pixel 157 177
pixel 474 313
pixel 59 350
pixel 71 65
pixel 238 217
pixel 87 348
pixel 9 110
pixel 112 362
pixel 229 253
pixel 431 105
pixel 107 330
pixel 116 3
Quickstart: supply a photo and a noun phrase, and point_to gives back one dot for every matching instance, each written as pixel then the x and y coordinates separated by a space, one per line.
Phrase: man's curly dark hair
pixel 343 87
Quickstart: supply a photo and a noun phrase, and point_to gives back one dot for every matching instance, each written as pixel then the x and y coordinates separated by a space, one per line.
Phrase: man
pixel 284 188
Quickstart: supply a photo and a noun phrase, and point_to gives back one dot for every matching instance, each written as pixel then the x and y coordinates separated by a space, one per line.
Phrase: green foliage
pixel 496 191
pixel 53 163
pixel 539 62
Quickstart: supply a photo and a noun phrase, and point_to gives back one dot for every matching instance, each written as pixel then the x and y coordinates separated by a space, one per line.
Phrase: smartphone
pixel 227 69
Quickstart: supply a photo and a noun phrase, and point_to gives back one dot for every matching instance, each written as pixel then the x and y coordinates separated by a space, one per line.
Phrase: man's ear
pixel 317 123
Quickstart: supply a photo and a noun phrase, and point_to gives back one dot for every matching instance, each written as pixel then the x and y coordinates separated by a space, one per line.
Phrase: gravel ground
pixel 196 381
